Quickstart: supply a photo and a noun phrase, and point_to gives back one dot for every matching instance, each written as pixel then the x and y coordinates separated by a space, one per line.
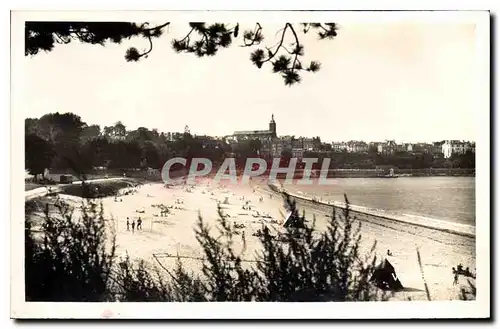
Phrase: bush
pixel 70 262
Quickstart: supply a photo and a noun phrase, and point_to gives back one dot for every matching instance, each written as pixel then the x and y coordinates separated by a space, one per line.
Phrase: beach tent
pixel 286 223
pixel 385 277
pixel 293 220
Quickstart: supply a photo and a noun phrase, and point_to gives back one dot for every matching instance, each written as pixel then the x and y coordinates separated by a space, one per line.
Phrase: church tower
pixel 272 126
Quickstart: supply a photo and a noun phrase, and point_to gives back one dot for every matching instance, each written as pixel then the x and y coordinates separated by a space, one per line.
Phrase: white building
pixel 339 146
pixel 388 147
pixel 357 147
pixel 297 152
pixel 451 147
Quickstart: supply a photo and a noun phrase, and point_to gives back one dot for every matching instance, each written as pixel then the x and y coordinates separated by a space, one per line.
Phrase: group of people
pixel 133 225
pixel 460 271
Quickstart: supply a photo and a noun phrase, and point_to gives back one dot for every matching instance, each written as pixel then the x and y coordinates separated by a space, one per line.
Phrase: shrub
pixel 74 260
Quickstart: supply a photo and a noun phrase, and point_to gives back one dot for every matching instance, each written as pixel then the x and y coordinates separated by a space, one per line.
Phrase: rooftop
pixel 253 132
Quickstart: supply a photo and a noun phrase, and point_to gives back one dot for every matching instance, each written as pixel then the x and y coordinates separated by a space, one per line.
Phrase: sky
pixel 405 81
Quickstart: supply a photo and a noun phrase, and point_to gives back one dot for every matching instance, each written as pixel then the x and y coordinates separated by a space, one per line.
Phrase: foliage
pixel 73 258
pixel 52 142
pixel 44 35
pixel 248 148
pixel 202 40
pixel 38 154
pixel 69 261
pixel 288 64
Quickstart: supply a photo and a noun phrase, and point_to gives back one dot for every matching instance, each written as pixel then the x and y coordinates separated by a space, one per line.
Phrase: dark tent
pixel 293 220
pixel 385 277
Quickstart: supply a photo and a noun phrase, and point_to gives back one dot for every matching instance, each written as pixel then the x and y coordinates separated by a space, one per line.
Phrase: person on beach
pixel 128 224
pixel 389 253
pixel 455 276
pixel 139 224
pixel 133 226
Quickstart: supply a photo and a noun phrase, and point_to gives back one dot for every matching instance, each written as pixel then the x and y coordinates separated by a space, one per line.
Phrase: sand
pixel 173 234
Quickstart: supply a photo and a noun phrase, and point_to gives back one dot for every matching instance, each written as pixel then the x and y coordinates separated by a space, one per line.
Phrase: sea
pixel 434 201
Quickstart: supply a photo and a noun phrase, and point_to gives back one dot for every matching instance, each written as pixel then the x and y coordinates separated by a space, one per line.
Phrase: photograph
pixel 318 164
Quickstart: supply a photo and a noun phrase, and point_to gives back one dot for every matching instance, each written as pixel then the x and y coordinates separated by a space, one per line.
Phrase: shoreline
pixel 122 183
pixel 442 224
pixel 438 225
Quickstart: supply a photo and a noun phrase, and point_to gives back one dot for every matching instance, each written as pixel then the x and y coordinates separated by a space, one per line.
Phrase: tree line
pixel 63 141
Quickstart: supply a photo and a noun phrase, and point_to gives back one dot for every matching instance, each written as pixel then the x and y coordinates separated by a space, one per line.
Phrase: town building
pixel 281 144
pixel 437 149
pixel 401 148
pixel 173 136
pixel 422 148
pixel 307 144
pixel 208 141
pixel 388 147
pixel 452 147
pixel 263 135
pixel 357 147
pixel 297 152
pixel 339 147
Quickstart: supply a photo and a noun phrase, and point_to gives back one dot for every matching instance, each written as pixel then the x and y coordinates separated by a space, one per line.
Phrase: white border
pixel 437 309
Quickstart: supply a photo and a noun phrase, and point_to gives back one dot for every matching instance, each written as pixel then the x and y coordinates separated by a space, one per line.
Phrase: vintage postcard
pixel 333 163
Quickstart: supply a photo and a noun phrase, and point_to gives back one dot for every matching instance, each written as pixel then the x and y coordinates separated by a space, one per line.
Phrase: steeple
pixel 272 125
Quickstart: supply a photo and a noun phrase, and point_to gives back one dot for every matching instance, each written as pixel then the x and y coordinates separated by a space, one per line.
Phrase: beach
pixel 163 237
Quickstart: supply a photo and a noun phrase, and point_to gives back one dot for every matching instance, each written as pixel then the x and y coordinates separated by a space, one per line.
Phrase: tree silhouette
pixel 91 132
pixel 60 127
pixel 202 40
pixel 74 259
pixel 116 131
pixel 38 154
